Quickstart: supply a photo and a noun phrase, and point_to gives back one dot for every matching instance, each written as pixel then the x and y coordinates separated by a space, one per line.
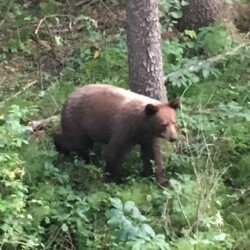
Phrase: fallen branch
pixel 211 60
pixel 51 119
pixel 30 84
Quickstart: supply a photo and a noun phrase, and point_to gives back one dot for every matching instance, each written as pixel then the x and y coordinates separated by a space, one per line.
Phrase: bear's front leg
pixel 114 157
pixel 151 154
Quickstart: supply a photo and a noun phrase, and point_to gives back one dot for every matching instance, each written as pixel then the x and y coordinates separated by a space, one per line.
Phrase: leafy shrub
pixel 170 11
pixel 16 224
pixel 93 64
pixel 214 39
pixel 131 227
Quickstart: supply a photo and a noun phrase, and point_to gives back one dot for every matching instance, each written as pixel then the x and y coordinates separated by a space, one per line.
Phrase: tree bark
pixel 241 16
pixel 144 51
pixel 201 13
pixel 146 68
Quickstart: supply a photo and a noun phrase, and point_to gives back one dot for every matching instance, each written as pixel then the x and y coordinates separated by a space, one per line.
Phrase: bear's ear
pixel 175 104
pixel 151 109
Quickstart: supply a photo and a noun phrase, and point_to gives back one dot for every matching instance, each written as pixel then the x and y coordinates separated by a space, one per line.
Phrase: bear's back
pixel 98 109
pixel 107 99
pixel 119 95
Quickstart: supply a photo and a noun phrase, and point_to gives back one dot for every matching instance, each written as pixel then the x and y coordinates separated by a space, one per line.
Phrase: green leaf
pixel 205 73
pixel 147 230
pixel 116 221
pixel 58 40
pixel 142 218
pixel 135 213
pixel 122 235
pixel 129 205
pixel 220 237
pixel 132 231
pixel 190 33
pixel 117 203
pixel 176 14
pixel 246 116
pixel 184 3
pixel 81 214
pixel 64 227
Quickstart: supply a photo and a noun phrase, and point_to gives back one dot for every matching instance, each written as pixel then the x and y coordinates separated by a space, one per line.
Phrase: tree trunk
pixel 201 13
pixel 144 51
pixel 146 69
pixel 241 16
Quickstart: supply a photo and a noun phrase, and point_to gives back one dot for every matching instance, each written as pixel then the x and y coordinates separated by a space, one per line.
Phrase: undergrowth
pixel 51 203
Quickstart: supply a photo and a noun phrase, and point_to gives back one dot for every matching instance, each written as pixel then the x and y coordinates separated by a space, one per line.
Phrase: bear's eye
pixel 164 125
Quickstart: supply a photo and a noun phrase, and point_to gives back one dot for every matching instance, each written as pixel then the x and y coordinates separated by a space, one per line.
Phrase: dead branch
pixel 51 118
pixel 211 60
pixel 50 16
pixel 247 34
pixel 30 84
pixel 85 2
pixel 39 62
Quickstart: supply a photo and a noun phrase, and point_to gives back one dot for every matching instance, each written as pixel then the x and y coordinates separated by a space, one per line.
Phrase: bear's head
pixel 163 119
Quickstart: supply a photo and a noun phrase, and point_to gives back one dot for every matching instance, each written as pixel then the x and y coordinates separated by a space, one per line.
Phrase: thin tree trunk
pixel 146 67
pixel 144 51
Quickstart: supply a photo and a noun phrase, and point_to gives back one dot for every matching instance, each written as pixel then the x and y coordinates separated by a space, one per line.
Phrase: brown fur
pixel 120 119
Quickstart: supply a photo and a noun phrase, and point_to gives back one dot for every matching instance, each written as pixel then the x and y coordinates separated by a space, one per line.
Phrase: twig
pixel 247 34
pixel 183 212
pixel 87 3
pixel 44 20
pixel 108 9
pixel 46 17
pixel 211 60
pixel 53 237
pixel 39 63
pixel 84 2
pixel 19 92
pixel 3 80
pixel 52 43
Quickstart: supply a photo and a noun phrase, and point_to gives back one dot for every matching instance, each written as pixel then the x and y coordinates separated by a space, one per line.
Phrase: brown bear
pixel 119 118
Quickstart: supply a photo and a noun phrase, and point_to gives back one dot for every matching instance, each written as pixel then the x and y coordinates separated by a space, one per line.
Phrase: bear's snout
pixel 171 133
pixel 170 138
